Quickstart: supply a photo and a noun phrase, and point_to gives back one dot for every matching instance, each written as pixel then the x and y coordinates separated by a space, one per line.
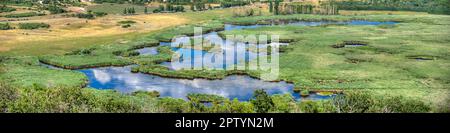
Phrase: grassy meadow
pixel 404 63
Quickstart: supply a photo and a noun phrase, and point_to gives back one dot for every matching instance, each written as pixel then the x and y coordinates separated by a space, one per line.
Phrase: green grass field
pixel 112 8
pixel 386 68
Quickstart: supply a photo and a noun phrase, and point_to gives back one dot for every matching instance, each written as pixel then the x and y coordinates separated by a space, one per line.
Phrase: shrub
pixel 55 9
pixel 126 26
pixel 283 103
pixel 7 96
pixel 171 105
pixel 262 101
pixel 5 26
pixel 363 102
pixel 4 8
pixel 127 22
pixel 307 106
pixel 21 15
pixel 234 106
pixel 30 26
pixel 85 15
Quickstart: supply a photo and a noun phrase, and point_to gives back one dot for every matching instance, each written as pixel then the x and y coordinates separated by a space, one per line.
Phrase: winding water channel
pixel 235 86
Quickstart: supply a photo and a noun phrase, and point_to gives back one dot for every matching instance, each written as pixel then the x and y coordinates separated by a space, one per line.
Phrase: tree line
pixel 430 6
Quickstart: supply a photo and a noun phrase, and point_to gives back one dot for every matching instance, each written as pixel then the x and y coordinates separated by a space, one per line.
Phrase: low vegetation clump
pixel 54 9
pixel 126 23
pixel 262 101
pixel 5 8
pixel 169 8
pixel 205 98
pixel 146 93
pixel 30 26
pixel 232 3
pixel 5 26
pixel 26 14
pixel 85 15
pixel 436 6
pixel 84 61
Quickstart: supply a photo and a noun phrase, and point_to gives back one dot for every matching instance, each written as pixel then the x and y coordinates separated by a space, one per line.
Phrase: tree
pixel 270 6
pixel 277 4
pixel 125 11
pixel 145 10
pixel 262 101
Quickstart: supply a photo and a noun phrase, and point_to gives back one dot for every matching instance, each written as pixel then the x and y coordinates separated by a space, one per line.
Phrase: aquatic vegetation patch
pixel 84 61
pixel 422 57
pixel 204 98
pixel 31 26
pixel 350 43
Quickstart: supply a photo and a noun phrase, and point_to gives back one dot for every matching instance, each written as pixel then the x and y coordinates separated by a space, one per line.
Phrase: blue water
pixel 240 87
pixel 148 51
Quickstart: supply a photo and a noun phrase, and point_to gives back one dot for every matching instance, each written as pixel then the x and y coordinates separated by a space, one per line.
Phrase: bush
pixel 5 26
pixel 262 101
pixel 30 26
pixel 171 105
pixel 127 22
pixel 7 96
pixel 126 26
pixel 21 15
pixel 85 15
pixel 283 103
pixel 4 8
pixel 55 9
pixel 316 107
pixel 363 102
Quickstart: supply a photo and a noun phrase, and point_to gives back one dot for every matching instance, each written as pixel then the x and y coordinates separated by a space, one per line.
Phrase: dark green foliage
pixel 127 22
pixel 147 93
pixel 231 3
pixel 307 106
pixel 85 15
pixel 5 26
pixel 30 26
pixel 262 101
pixel 7 95
pixel 270 6
pixel 21 15
pixel 276 7
pixel 363 102
pixel 138 2
pixel 431 6
pixel 283 103
pixel 4 8
pixel 129 11
pixel 84 51
pixel 172 105
pixel 205 97
pixel 169 8
pixel 55 9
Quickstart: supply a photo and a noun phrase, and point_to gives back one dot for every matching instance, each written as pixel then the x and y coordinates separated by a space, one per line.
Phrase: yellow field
pixel 67 28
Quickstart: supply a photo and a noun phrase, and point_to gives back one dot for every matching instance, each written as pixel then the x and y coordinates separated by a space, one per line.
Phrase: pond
pixel 235 86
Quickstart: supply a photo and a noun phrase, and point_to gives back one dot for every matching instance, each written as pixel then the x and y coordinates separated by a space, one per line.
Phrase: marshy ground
pixel 409 59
